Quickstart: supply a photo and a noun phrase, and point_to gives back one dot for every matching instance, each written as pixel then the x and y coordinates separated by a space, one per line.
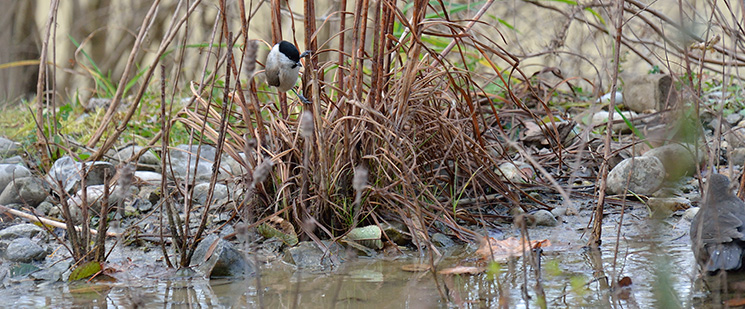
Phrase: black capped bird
pixel 718 229
pixel 283 66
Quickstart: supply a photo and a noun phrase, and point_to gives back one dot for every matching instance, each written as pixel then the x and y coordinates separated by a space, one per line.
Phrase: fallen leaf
pixel 540 243
pixel 85 271
pixel 503 250
pixel 279 228
pixel 737 302
pixel 459 270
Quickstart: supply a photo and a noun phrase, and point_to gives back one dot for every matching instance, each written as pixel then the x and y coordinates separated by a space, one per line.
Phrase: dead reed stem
pixel 597 218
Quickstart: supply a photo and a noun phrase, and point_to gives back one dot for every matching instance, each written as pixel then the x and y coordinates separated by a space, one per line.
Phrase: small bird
pixel 718 229
pixel 283 66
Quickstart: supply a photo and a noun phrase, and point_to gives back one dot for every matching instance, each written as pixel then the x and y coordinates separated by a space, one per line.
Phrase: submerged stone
pixel 218 258
pixel 307 255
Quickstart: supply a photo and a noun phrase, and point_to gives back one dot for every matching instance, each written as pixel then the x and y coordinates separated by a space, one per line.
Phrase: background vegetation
pixel 423 98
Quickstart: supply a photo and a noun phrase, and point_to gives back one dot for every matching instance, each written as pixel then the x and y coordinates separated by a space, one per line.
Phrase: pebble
pixel 544 218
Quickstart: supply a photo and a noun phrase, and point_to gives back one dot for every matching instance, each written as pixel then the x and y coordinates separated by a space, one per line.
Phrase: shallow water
pixel 655 255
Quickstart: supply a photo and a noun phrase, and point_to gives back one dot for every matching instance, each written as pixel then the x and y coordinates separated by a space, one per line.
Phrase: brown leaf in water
pixel 737 302
pixel 625 281
pixel 459 270
pixel 502 250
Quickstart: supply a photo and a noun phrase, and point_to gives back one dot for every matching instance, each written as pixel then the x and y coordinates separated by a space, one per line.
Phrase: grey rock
pixel 45 208
pixel 227 230
pixel 733 118
pixel 735 138
pixel 516 211
pixel 619 125
pixel 679 159
pixel 26 230
pixel 150 193
pixel 8 172
pixel 516 172
pixel 307 256
pixel 8 148
pixel 129 210
pixel 606 97
pixel 98 172
pixel 234 167
pixel 68 172
pixel 222 217
pixel 647 175
pixel 184 161
pixel 201 190
pixel 225 260
pixel 142 205
pixel 14 160
pixel 690 213
pixel 65 171
pixel 441 240
pixel 27 191
pixel 562 211
pixel 649 92
pixel 544 218
pixel 151 178
pixel 737 156
pixel 148 161
pixel 94 197
pixel 55 212
pixel 24 250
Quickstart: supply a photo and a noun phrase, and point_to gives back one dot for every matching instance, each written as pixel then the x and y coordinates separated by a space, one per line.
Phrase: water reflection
pixel 571 278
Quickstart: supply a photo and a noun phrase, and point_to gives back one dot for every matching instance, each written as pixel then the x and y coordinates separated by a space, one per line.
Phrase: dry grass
pixel 413 119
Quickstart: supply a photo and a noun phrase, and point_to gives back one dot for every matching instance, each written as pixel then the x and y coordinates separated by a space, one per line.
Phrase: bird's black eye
pixel 289 50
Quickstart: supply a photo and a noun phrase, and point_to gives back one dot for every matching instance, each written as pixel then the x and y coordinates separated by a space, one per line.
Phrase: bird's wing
pixel 272 77
pixel 726 227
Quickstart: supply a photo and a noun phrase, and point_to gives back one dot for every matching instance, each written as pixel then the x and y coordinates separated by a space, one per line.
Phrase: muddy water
pixel 654 254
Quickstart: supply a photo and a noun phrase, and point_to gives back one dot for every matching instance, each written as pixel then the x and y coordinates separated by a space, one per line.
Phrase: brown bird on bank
pixel 718 229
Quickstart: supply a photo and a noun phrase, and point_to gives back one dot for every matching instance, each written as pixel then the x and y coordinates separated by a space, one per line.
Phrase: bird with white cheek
pixel 283 66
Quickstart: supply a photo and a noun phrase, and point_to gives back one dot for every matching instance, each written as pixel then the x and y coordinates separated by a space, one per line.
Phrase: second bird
pixel 718 229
